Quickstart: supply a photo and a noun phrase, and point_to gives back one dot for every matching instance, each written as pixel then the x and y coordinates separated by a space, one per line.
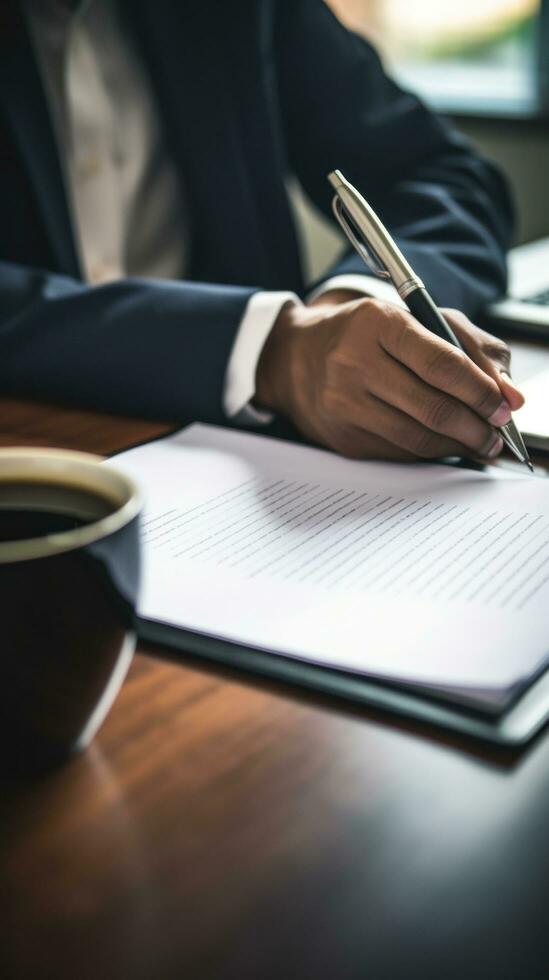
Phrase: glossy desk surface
pixel 224 827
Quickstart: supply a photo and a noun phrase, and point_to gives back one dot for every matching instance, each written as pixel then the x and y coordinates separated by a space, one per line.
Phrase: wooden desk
pixel 220 827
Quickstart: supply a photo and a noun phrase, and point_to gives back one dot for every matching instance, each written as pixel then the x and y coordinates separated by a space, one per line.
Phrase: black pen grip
pixel 428 314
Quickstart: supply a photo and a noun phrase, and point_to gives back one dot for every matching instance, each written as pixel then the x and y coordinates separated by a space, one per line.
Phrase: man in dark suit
pixel 148 258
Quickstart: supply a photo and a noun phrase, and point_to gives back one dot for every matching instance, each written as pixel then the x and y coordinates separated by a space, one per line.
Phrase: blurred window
pixel 474 55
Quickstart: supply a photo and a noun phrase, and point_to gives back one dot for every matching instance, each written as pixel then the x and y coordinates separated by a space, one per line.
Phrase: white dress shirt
pixel 126 201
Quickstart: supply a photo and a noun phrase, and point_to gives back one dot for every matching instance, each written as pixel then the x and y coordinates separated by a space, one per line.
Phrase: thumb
pixel 500 372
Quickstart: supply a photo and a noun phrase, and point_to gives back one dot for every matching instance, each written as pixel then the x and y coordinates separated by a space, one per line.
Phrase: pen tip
pixel 529 465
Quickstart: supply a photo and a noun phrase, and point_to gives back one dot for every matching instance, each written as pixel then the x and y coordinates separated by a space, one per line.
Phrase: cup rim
pixel 63 467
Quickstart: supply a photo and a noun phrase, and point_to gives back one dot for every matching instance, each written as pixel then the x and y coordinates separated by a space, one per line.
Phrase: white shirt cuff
pixel 255 326
pixel 368 285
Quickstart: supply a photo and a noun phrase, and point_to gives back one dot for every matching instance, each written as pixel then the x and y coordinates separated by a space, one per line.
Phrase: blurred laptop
pixel 524 312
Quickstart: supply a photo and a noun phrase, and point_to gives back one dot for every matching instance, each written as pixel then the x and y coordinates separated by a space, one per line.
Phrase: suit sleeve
pixel 447 207
pixel 149 348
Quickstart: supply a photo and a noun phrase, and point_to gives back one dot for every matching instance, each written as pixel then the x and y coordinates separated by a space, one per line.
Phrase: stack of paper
pixel 424 575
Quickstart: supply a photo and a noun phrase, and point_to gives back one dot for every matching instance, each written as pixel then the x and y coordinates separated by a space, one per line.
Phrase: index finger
pixel 443 366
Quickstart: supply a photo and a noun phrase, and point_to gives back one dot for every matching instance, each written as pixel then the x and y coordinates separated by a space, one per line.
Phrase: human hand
pixel 365 379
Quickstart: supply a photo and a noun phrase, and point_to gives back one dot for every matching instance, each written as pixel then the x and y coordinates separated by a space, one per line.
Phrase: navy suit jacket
pixel 250 91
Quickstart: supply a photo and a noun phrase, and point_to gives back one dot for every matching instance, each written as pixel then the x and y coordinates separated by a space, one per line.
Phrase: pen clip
pixel 366 253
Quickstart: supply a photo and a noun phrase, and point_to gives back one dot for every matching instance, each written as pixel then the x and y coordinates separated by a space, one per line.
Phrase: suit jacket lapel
pixel 26 108
pixel 209 74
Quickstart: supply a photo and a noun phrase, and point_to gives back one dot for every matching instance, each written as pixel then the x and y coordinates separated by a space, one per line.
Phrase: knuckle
pixel 381 313
pixel 492 347
pixel 372 319
pixel 446 366
pixel 497 350
pixel 487 400
pixel 370 307
pixel 440 413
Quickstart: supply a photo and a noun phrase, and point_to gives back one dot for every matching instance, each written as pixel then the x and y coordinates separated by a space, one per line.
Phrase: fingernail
pixel 502 415
pixel 495 448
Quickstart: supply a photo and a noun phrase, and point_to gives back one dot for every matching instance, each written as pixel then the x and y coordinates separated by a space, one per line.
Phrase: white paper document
pixel 423 574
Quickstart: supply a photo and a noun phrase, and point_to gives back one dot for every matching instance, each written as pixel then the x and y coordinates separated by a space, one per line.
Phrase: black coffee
pixel 30 510
pixel 68 603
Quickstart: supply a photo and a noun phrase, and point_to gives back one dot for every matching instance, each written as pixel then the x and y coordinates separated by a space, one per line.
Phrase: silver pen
pixel 385 259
